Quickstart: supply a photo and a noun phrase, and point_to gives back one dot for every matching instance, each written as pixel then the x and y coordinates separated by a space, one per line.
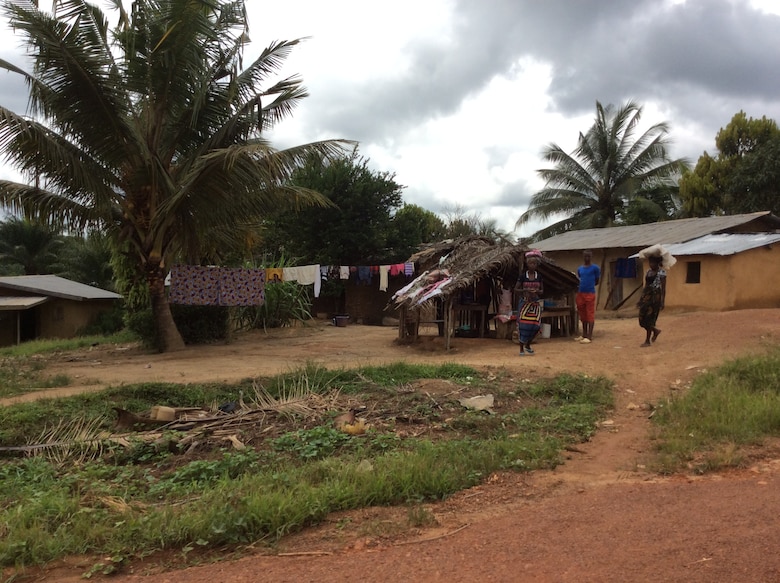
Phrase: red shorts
pixel 586 307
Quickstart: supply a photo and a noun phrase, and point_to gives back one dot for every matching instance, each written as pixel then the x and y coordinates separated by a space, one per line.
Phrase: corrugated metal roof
pixel 58 287
pixel 664 232
pixel 724 244
pixel 12 303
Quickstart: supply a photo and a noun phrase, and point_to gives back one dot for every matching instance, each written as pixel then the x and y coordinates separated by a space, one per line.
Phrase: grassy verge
pixel 23 367
pixel 725 412
pixel 35 347
pixel 131 499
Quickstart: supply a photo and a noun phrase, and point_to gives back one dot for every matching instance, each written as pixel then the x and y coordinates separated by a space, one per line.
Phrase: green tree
pixel 410 227
pixel 611 166
pixel 744 176
pixel 701 189
pixel 28 248
pixel 355 230
pixel 458 222
pixel 88 260
pixel 653 205
pixel 151 131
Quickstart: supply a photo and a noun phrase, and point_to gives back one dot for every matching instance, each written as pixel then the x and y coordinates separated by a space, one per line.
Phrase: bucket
pixel 546 329
pixel 341 321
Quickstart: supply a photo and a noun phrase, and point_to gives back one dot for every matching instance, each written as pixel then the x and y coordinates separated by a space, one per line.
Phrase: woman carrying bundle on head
pixel 529 308
pixel 654 293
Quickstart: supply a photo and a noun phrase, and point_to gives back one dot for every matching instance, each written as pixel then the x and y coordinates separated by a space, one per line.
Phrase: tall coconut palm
pixel 152 130
pixel 593 186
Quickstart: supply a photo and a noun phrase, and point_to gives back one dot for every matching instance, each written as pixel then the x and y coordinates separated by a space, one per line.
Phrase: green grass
pixel 135 500
pixel 33 347
pixel 725 412
pixel 22 369
pixel 319 379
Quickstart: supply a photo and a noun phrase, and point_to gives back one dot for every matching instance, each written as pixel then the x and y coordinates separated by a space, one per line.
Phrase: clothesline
pixel 225 286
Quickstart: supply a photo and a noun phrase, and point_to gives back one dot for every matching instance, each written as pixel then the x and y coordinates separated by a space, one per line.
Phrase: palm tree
pixel 151 131
pixel 30 246
pixel 88 260
pixel 593 186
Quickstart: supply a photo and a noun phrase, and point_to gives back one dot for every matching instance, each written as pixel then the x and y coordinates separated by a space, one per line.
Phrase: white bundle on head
pixel 658 250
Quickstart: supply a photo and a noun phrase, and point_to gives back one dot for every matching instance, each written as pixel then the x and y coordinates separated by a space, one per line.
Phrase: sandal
pixel 529 350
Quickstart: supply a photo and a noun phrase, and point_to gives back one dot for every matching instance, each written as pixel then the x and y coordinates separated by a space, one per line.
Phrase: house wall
pixel 604 258
pixel 57 318
pixel 750 279
pixel 60 318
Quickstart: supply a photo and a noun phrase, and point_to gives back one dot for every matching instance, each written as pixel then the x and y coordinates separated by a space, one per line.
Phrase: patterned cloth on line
pixel 197 285
pixel 194 285
pixel 242 287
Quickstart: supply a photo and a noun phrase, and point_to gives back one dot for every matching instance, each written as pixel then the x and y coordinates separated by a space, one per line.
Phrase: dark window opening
pixel 693 275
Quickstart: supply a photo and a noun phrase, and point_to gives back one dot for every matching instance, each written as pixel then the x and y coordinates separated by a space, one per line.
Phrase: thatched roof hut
pixel 452 273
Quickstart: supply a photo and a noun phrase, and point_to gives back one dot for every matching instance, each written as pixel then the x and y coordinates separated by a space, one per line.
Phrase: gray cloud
pixel 699 61
pixel 704 60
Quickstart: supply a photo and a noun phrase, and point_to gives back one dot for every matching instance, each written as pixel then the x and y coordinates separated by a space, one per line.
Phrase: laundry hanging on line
pixel 198 285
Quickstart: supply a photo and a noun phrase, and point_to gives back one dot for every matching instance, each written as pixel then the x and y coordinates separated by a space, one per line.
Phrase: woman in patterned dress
pixel 529 308
pixel 652 300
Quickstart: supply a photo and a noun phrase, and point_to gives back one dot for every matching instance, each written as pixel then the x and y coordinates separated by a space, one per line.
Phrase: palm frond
pixel 293 397
pixel 71 441
pixel 592 187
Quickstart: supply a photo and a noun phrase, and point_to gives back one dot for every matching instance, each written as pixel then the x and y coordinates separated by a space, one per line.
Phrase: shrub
pixel 201 324
pixel 196 324
pixel 105 323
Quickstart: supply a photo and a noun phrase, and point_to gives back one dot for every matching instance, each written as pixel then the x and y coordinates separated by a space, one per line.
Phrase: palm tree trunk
pixel 168 336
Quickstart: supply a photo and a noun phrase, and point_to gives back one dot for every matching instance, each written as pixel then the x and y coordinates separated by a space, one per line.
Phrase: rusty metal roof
pixel 664 232
pixel 14 303
pixel 55 286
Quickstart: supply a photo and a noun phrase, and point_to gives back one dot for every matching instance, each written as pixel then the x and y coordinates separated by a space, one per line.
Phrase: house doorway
pixel 28 325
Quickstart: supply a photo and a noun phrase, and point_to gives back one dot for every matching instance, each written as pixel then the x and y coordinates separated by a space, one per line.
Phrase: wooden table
pixel 463 314
pixel 563 316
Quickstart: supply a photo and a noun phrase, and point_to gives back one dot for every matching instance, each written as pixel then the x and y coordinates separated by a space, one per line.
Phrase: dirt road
pixel 600 516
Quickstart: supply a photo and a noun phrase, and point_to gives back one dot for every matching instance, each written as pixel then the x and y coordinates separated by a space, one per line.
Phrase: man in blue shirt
pixel 589 275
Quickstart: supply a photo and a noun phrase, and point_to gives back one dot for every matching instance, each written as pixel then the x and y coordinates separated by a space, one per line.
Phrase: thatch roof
pixel 469 259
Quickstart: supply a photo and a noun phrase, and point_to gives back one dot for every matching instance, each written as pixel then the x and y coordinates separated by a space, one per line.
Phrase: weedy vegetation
pixel 88 488
pixel 726 415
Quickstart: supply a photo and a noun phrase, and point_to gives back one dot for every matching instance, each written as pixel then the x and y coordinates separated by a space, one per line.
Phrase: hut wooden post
pixel 402 323
pixel 575 321
pixel 447 320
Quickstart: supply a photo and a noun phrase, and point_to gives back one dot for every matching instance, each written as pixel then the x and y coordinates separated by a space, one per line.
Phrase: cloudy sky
pixel 458 97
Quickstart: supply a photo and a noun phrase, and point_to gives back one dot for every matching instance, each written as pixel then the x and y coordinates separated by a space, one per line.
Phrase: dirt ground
pixel 600 516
